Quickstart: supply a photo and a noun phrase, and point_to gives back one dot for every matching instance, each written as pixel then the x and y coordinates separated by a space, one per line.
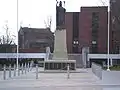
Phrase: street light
pixel 108 62
pixel 17 36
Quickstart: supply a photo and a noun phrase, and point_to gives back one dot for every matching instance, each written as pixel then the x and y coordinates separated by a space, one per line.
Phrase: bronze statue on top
pixel 60 16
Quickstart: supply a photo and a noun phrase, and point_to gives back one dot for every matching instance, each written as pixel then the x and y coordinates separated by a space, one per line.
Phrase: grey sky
pixel 35 12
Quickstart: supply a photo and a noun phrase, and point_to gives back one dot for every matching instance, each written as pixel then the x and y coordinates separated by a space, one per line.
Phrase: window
pixel 75 42
pixel 113 19
pixel 94 42
pixel 95 27
pixel 94 48
pixel 113 1
pixel 75 32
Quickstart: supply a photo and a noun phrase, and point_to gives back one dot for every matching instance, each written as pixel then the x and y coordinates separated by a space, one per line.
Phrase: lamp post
pixel 17 36
pixel 108 51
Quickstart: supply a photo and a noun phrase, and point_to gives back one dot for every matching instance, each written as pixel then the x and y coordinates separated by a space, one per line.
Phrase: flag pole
pixel 108 56
pixel 17 37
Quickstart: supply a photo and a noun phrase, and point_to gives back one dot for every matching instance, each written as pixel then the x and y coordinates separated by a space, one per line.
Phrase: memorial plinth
pixel 60 48
pixel 60 57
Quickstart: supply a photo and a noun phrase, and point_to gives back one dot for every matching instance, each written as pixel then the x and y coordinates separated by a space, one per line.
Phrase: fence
pixel 97 70
pixel 23 55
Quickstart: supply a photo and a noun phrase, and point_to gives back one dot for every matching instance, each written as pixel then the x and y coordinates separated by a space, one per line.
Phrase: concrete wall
pixel 97 70
pixel 111 77
pixel 78 58
pixel 107 77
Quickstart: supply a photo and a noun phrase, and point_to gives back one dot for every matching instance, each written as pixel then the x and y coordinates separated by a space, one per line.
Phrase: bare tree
pixel 104 2
pixel 48 22
pixel 7 38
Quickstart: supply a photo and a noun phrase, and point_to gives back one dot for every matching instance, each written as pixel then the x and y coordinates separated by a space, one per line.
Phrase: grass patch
pixel 114 67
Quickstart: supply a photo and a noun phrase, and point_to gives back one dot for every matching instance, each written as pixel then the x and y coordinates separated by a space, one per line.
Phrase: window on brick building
pixel 95 27
pixel 75 32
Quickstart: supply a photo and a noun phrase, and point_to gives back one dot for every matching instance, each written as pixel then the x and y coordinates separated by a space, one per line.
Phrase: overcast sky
pixel 33 13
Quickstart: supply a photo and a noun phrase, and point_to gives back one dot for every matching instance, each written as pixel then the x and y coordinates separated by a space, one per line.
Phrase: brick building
pixel 115 26
pixel 35 40
pixel 87 28
pixel 8 48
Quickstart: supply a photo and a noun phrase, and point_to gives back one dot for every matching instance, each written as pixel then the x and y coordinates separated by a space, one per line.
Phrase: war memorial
pixel 60 57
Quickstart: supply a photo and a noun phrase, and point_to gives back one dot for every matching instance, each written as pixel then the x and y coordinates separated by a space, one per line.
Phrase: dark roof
pixel 27 29
pixel 94 8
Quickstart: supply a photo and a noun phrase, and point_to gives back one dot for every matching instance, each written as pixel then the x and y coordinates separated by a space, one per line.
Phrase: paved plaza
pixel 84 80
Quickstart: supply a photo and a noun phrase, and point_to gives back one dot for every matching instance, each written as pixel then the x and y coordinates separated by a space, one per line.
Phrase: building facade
pixel 72 31
pixel 87 28
pixel 8 48
pixel 35 40
pixel 115 26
